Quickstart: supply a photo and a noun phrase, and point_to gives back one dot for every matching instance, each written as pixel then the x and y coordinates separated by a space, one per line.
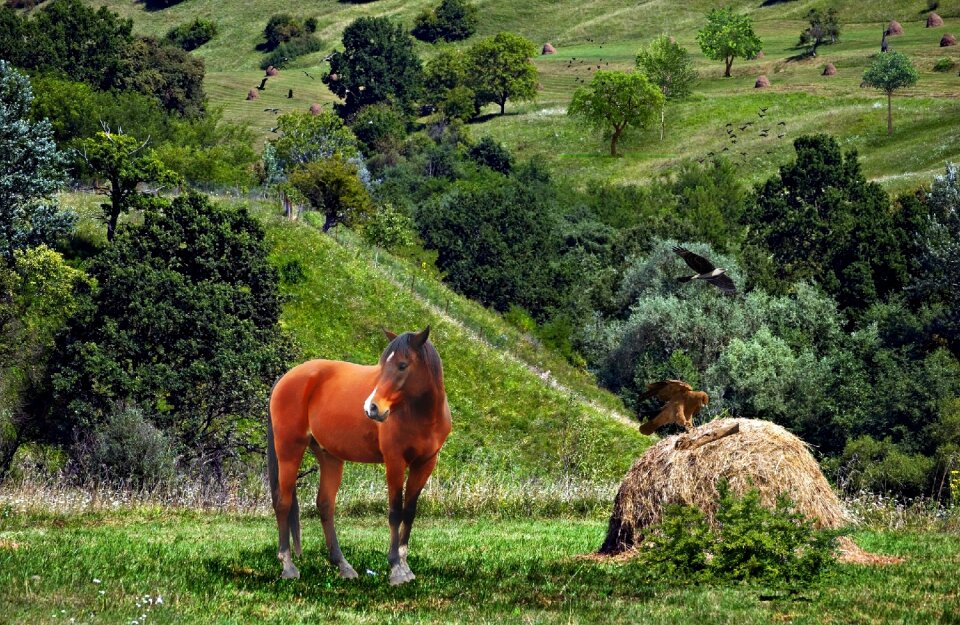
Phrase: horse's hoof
pixel 290 572
pixel 401 574
pixel 347 571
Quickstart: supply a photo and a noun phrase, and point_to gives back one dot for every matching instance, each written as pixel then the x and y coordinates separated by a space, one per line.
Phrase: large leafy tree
pixel 727 36
pixel 616 101
pixel 183 325
pixel 668 65
pixel 820 220
pixel 167 73
pixel 824 29
pixel 451 20
pixel 378 64
pixel 499 69
pixel 31 172
pixel 125 163
pixel 331 186
pixel 305 137
pixel 890 72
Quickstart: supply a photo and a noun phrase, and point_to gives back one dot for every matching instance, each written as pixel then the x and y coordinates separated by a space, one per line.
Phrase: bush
pixel 776 548
pixel 390 229
pixel 125 445
pixel 332 187
pixel 193 35
pixel 883 467
pixel 281 28
pixel 380 128
pixel 451 20
pixel 489 153
pixel 289 50
pixel 943 65
pixel 460 103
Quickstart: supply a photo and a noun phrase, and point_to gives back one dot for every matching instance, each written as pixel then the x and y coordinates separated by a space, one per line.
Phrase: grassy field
pixel 150 565
pixel 608 34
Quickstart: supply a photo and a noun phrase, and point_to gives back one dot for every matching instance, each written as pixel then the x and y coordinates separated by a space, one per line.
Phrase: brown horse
pixel 395 412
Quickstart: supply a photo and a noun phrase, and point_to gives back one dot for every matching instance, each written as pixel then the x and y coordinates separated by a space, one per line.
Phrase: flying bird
pixel 263 84
pixel 682 404
pixel 705 271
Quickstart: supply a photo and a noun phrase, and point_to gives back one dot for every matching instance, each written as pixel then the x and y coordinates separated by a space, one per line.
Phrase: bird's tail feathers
pixel 685 278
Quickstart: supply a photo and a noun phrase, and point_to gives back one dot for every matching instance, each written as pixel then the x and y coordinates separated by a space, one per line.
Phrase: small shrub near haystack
pixel 943 64
pixel 761 455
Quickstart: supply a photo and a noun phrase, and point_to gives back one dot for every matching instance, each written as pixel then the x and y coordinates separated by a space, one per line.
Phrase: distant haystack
pixel 334 77
pixel 761 455
pixel 272 71
pixel 762 81
pixel 948 40
pixel 894 28
pixel 253 94
pixel 315 109
pixel 934 21
pixel 548 49
pixel 829 69
pixel 758 56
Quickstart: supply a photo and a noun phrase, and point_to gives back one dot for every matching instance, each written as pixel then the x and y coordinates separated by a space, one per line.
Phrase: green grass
pixel 509 419
pixel 603 32
pixel 221 568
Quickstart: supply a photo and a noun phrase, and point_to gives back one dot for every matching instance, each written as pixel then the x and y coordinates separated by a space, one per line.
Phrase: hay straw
pixel 762 455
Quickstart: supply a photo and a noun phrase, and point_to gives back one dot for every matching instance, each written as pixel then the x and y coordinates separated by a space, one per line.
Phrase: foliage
pixel 616 101
pixel 824 29
pixel 192 35
pixel 305 137
pixel 332 187
pixel 499 68
pixel 890 72
pixel 380 128
pixel 378 64
pixel 670 68
pixel 183 325
pixel 880 466
pixel 728 36
pixel 489 153
pixel 820 220
pixel 31 172
pixel 210 151
pixel 451 20
pixel 282 28
pixel 125 163
pixel 290 50
pixel 389 229
pixel 944 64
pixel 750 543
pixel 167 73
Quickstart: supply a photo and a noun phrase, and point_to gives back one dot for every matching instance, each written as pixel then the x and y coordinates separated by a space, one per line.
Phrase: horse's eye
pixel 401 366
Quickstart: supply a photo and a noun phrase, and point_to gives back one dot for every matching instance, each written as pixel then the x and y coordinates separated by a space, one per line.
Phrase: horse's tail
pixel 273 475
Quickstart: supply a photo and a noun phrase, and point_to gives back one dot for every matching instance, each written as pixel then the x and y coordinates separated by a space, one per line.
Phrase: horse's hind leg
pixel 331 472
pixel 289 451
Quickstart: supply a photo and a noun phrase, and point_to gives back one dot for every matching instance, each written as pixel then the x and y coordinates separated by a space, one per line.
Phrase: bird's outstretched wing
pixel 723 282
pixel 696 262
pixel 666 390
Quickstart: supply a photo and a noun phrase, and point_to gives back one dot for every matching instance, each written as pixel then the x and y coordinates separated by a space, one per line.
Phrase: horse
pixel 394 413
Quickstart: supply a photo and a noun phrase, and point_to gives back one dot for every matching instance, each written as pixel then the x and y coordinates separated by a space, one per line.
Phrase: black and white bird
pixel 705 271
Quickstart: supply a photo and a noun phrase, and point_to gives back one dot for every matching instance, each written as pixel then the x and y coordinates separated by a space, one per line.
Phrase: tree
pixel 670 68
pixel 889 72
pixel 31 172
pixel 616 101
pixel 820 220
pixel 125 163
pixel 332 187
pixel 451 20
pixel 183 325
pixel 305 137
pixel 727 36
pixel 445 85
pixel 378 64
pixel 167 73
pixel 282 28
pixel 823 30
pixel 192 35
pixel 499 68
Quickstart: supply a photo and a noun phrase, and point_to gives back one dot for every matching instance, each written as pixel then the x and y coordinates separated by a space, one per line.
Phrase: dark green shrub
pixel 289 50
pixel 281 28
pixel 943 64
pixel 880 466
pixel 451 20
pixel 125 445
pixel 460 103
pixel 380 128
pixel 159 5
pixel 489 153
pixel 192 35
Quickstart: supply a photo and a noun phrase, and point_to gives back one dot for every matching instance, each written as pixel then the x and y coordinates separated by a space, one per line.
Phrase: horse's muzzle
pixel 373 412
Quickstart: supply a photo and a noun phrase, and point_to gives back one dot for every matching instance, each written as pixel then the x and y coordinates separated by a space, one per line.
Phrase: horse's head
pixel 409 367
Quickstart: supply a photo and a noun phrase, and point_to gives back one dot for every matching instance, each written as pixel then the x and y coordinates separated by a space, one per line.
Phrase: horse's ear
pixel 390 335
pixel 419 339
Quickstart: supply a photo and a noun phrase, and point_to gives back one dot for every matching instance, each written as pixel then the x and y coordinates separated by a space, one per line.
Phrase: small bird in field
pixel 263 84
pixel 705 271
pixel 682 404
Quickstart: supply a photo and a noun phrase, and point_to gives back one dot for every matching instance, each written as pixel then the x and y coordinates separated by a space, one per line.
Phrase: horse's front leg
pixel 419 474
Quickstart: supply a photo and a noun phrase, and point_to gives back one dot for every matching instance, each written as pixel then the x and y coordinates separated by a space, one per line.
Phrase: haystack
pixel 948 40
pixel 315 109
pixel 894 28
pixel 548 49
pixel 253 94
pixel 272 71
pixel 829 69
pixel 934 21
pixel 761 455
pixel 334 77
pixel 762 81
pixel 758 56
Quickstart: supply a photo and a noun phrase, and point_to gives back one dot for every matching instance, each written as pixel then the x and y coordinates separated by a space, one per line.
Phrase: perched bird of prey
pixel 682 404
pixel 705 271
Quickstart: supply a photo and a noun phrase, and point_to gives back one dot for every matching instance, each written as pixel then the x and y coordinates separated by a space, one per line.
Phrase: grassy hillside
pixel 519 411
pixel 608 33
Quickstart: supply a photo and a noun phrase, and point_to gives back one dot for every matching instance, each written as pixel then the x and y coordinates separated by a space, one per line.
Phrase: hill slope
pixel 519 411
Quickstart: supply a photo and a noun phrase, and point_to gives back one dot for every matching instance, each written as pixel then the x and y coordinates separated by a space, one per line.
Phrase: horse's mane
pixel 428 353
